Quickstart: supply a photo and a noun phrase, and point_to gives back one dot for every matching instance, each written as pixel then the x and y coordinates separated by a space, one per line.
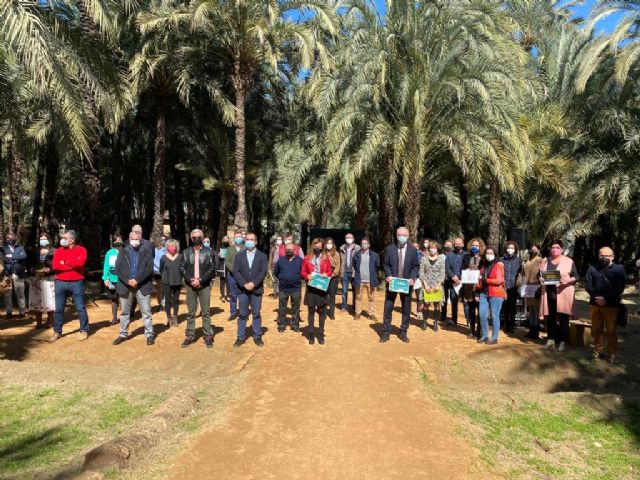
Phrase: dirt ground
pixel 350 409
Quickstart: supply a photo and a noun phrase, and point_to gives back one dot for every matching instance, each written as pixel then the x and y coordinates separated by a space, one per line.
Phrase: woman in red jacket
pixel 317 263
pixel 492 294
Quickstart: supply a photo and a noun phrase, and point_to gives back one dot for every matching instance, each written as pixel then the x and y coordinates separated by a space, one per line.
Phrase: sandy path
pixel 350 409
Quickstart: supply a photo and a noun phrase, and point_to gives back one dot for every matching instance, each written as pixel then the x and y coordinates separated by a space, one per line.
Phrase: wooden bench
pixel 579 333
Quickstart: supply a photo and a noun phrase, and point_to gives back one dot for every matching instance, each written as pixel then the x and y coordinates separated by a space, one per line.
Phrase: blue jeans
pixel 494 304
pixel 347 282
pixel 255 301
pixel 76 291
pixel 234 291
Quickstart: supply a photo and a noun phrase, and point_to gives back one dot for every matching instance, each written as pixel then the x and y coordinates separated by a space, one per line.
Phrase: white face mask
pixel 329 246
pixel 135 243
pixel 64 242
pixel 511 251
pixel 490 257
pixel 287 242
pixel 426 245
pixel 349 241
pixel 433 251
pixel 278 242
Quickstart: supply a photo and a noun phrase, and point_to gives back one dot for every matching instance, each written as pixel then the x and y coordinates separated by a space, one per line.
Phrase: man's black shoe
pixel 208 341
pixel 312 339
pixel 321 339
pixel 258 342
pixel 188 341
pixel 119 340
pixel 384 338
pixel 232 317
pixel 296 328
pixel 404 338
pixel 151 340
pixel 238 343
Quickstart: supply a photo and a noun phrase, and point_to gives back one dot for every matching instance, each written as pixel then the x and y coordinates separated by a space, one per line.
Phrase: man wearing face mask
pixel 249 269
pixel 288 271
pixel 15 260
pixel 144 243
pixel 198 270
pixel 237 247
pixel 401 261
pixel 366 264
pixel 453 269
pixel 605 284
pixel 68 263
pixel 512 270
pixel 134 268
pixel 347 251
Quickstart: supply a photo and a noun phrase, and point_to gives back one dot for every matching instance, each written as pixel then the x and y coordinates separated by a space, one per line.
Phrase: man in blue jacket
pixel 15 259
pixel 453 269
pixel 288 271
pixel 366 264
pixel 605 284
pixel 400 261
pixel 250 266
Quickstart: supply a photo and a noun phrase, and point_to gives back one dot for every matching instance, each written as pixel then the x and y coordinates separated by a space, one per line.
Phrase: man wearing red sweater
pixel 68 264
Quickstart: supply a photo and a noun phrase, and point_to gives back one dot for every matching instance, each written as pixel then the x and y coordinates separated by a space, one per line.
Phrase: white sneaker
pixel 562 347
pixel 550 344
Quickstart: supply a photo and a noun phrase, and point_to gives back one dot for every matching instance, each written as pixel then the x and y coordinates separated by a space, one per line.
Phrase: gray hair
pixel 173 241
pixel 402 228
pixel 73 233
pixel 133 233
pixel 196 230
pixel 137 228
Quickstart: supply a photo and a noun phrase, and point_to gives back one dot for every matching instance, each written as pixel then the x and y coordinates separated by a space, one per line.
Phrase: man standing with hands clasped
pixel 605 283
pixel 249 269
pixel 401 261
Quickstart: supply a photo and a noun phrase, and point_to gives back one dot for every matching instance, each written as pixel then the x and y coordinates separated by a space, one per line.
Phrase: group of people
pixel 489 284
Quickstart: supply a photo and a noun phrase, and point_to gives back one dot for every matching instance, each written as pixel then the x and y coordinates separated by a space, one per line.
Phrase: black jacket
pixel 208 262
pixel 607 282
pixel 243 274
pixel 143 276
pixel 411 269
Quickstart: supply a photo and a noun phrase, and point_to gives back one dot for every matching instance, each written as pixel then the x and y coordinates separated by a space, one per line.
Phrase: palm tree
pixel 256 35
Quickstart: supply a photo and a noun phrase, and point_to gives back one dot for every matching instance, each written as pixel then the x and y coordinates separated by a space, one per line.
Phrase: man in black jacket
pixel 249 269
pixel 605 284
pixel 198 269
pixel 400 260
pixel 134 268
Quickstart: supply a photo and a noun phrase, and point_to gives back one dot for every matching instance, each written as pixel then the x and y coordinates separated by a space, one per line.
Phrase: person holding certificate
pixel 432 277
pixel 336 268
pixel 532 290
pixel 470 298
pixel 557 297
pixel 316 299
pixel 400 263
pixel 492 295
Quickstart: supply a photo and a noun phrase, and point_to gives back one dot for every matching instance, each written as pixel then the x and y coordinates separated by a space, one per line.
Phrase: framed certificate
pixel 551 277
pixel 320 282
pixel 400 285
pixel 435 296
pixel 470 277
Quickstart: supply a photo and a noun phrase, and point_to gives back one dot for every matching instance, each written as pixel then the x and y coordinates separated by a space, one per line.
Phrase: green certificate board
pixel 320 282
pixel 435 296
pixel 400 285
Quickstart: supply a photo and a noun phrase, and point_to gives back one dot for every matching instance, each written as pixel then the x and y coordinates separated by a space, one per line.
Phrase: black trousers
pixel 389 301
pixel 557 324
pixel 322 316
pixel 332 291
pixel 471 313
pixel 224 287
pixel 171 299
pixel 509 309
pixel 450 296
pixel 283 299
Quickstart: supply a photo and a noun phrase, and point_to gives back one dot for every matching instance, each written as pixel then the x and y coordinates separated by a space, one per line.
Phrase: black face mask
pixel 117 244
pixel 196 241
pixel 290 253
pixel 448 248
pixel 458 248
pixel 225 244
pixel 317 250
pixel 605 262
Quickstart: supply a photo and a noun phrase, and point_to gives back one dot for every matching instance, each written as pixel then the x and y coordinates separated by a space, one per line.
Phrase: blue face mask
pixel 475 250
pixel 250 244
pixel 44 243
pixel 206 244
pixel 402 239
pixel 238 240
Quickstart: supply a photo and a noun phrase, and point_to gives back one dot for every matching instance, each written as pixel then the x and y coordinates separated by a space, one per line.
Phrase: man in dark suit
pixel 249 269
pixel 400 260
pixel 134 268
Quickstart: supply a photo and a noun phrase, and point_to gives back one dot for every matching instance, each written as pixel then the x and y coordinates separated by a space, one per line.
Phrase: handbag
pixel 5 284
pixel 621 320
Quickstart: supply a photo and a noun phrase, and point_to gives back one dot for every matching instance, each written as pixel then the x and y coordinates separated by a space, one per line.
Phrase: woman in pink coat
pixel 557 302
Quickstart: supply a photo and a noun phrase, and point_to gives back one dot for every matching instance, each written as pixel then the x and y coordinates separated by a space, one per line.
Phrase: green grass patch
pixel 42 430
pixel 566 440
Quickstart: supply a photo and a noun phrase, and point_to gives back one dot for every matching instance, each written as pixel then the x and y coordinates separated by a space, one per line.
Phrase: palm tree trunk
pixel 159 170
pixel 412 206
pixel 362 206
pixel 1 202
pixel 240 80
pixel 37 196
pixel 495 213
pixel 464 217
pixel 180 233
pixel 225 202
pixel 14 174
pixel 388 208
pixel 49 224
